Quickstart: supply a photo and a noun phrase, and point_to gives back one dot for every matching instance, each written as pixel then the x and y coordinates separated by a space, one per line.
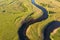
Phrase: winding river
pixel 25 24
pixel 50 27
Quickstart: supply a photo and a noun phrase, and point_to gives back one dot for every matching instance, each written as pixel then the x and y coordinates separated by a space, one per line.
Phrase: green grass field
pixel 13 12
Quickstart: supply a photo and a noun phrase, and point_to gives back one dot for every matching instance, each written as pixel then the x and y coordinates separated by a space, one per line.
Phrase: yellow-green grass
pixel 56 34
pixel 54 13
pixel 11 16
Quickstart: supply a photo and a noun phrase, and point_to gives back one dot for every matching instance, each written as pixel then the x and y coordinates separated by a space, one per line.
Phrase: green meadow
pixel 13 12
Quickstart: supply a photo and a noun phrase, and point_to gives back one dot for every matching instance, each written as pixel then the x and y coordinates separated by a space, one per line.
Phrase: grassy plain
pixel 13 12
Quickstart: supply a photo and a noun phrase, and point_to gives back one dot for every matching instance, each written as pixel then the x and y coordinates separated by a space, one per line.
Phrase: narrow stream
pixel 50 28
pixel 25 25
pixel 47 30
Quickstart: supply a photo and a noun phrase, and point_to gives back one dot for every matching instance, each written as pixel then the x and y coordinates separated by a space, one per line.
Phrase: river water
pixel 47 30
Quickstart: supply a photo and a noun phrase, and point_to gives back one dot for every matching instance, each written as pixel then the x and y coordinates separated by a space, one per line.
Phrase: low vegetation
pixel 51 12
pixel 12 14
pixel 58 0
